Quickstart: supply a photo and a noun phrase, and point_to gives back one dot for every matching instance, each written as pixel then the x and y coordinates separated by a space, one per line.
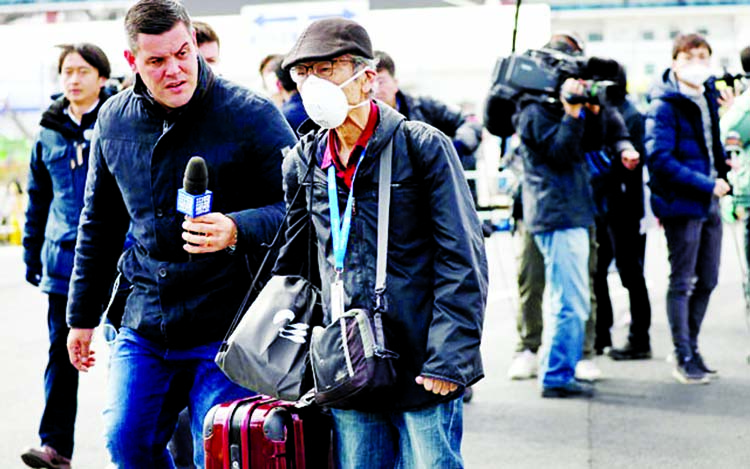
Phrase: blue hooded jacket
pixel 57 177
pixel 677 155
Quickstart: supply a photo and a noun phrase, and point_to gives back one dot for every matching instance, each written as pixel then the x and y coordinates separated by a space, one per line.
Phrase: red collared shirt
pixel 331 155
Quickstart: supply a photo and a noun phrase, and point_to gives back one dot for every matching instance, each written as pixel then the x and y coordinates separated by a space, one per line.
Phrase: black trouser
pixel 694 258
pixel 60 383
pixel 620 238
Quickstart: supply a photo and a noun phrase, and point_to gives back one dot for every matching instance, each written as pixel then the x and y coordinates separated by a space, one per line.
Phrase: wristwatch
pixel 233 247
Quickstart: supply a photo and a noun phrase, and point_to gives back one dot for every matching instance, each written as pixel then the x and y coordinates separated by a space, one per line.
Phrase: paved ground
pixel 640 417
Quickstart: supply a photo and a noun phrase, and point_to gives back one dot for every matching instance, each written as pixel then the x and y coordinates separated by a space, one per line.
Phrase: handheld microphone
pixel 194 199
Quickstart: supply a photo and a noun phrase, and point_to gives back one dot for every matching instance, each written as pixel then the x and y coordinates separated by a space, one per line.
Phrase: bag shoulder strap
pixel 277 237
pixel 384 204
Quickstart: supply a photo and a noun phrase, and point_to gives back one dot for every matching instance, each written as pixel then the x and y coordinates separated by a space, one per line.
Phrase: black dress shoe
pixel 628 352
pixel 574 388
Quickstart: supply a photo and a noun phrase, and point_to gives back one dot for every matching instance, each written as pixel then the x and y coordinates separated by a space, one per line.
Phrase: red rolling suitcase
pixel 262 432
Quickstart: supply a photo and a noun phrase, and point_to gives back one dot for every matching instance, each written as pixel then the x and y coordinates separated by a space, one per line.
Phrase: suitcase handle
pixel 275 424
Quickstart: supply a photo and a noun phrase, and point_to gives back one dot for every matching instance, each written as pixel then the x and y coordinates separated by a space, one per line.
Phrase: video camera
pixel 537 75
pixel 736 81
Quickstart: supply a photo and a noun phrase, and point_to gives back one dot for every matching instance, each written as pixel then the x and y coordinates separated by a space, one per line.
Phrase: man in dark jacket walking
pixel 688 170
pixel 57 177
pixel 436 265
pixel 189 275
pixel 465 131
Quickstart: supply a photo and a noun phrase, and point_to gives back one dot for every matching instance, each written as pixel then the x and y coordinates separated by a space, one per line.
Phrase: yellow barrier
pixel 13 201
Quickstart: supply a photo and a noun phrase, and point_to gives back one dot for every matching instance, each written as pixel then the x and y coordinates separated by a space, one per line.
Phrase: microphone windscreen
pixel 195 181
pixel 602 68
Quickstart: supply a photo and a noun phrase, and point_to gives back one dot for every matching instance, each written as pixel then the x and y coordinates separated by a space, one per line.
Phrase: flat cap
pixel 328 38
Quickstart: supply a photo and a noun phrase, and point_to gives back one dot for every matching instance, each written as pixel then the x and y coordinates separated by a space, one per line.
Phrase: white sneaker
pixel 524 366
pixel 586 370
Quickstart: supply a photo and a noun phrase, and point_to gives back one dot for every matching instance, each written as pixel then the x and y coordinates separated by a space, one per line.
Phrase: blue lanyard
pixel 340 230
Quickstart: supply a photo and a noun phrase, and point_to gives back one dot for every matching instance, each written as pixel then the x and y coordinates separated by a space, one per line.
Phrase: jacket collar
pixel 206 80
pixel 389 121
pixel 54 118
pixel 667 88
pixel 404 103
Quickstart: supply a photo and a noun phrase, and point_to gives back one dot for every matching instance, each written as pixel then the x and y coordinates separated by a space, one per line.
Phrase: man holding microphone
pixel 189 275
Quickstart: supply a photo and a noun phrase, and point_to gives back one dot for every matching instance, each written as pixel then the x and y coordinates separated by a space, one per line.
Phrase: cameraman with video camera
pixel 560 141
pixel 531 281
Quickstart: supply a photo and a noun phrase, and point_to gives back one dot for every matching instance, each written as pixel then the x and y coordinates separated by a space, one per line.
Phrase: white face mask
pixel 325 102
pixel 694 74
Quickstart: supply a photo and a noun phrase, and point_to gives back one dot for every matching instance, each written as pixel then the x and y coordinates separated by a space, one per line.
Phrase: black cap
pixel 328 38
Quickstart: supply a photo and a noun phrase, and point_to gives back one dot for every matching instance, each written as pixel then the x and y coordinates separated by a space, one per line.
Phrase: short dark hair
pixel 285 78
pixel 745 59
pixel 154 17
pixel 384 61
pixel 273 59
pixel 205 33
pixel 93 55
pixel 686 42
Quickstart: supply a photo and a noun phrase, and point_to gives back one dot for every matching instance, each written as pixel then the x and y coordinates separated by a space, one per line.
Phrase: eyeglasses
pixel 323 69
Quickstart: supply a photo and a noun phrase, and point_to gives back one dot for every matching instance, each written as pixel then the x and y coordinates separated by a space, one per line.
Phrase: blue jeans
pixel 148 387
pixel 566 264
pixel 420 439
pixel 60 383
pixel 694 253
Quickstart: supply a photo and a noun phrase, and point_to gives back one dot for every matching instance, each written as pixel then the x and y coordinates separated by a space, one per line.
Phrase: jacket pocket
pixel 60 166
pixel 58 259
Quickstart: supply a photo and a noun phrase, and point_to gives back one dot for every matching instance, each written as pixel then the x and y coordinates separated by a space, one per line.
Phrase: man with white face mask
pixel 436 265
pixel 688 171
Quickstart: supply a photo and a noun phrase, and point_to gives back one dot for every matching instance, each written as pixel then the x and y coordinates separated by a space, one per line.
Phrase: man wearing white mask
pixel 688 170
pixel 436 266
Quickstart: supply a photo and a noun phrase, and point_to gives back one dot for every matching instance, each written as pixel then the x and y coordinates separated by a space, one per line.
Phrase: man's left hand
pixel 208 233
pixel 436 386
